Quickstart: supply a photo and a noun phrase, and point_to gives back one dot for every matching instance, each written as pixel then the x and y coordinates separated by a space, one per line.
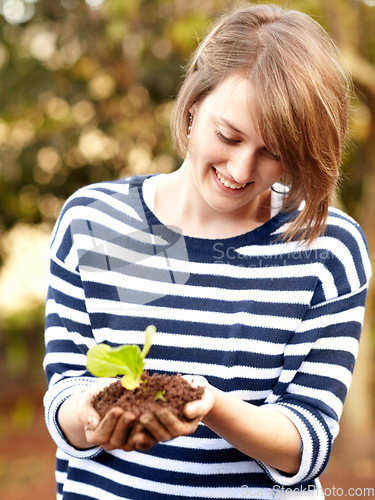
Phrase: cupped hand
pixel 163 425
pixel 116 429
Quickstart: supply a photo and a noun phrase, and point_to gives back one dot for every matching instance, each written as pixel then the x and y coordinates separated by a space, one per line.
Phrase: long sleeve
pixel 319 359
pixel 68 332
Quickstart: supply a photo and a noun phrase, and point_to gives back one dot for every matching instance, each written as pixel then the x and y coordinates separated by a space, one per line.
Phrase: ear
pixel 193 109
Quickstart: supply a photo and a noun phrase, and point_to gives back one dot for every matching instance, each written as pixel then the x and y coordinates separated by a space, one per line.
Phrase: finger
pixel 155 427
pixel 200 407
pixel 122 430
pixel 129 444
pixel 104 430
pixel 92 422
pixel 143 441
pixel 139 438
pixel 195 410
pixel 87 414
pixel 174 425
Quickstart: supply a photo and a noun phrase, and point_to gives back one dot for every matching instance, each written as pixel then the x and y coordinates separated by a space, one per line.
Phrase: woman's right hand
pixel 83 427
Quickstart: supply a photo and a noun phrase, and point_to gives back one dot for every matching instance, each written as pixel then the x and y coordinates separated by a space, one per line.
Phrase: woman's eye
pixel 271 155
pixel 225 139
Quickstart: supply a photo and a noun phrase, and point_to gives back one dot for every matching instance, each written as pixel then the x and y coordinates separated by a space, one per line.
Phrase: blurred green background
pixel 86 92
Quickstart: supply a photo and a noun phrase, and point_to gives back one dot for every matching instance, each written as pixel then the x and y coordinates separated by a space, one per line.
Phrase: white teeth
pixel 227 183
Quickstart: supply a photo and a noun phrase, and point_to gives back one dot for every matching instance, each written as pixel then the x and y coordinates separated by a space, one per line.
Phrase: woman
pixel 256 286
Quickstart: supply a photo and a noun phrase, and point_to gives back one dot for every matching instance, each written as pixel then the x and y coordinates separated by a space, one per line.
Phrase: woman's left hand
pixel 163 425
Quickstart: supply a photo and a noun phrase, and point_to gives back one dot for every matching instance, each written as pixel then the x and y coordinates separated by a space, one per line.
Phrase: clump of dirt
pixel 155 391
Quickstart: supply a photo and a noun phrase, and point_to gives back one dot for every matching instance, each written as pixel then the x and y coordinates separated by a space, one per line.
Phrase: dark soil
pixel 155 391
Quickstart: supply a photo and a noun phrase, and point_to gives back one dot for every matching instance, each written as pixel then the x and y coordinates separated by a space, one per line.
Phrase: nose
pixel 241 166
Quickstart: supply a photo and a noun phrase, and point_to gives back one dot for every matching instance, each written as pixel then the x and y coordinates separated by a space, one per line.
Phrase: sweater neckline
pixel 148 189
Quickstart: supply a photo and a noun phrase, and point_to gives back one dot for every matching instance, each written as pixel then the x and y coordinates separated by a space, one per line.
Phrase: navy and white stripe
pixel 269 322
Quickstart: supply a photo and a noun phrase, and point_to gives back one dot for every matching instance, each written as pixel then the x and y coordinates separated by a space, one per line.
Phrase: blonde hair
pixel 301 93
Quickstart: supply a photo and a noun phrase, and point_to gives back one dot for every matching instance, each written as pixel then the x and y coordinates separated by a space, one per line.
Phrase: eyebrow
pixel 230 125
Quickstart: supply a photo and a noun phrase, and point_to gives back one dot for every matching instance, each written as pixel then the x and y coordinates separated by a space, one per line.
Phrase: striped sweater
pixel 270 322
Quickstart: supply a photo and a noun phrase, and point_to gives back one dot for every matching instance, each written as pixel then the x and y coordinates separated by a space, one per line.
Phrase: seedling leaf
pixel 100 363
pixel 150 331
pixel 127 360
pixel 128 357
pixel 131 382
pixel 160 395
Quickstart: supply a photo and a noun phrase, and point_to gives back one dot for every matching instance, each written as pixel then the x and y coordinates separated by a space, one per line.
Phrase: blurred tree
pixel 87 89
pixel 351 24
pixel 86 96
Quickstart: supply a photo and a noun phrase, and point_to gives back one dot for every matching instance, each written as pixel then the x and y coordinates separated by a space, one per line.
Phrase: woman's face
pixel 230 166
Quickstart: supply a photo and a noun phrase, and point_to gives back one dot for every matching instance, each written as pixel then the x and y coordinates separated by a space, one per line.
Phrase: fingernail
pixel 190 411
pixel 144 419
pixel 92 422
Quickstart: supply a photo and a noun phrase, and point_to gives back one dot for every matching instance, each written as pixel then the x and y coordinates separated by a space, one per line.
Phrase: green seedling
pixel 127 360
pixel 160 395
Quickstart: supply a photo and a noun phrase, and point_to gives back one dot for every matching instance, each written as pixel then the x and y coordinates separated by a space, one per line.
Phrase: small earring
pixel 189 126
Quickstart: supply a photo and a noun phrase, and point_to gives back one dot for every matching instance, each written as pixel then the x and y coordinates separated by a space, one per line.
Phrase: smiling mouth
pixel 228 184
